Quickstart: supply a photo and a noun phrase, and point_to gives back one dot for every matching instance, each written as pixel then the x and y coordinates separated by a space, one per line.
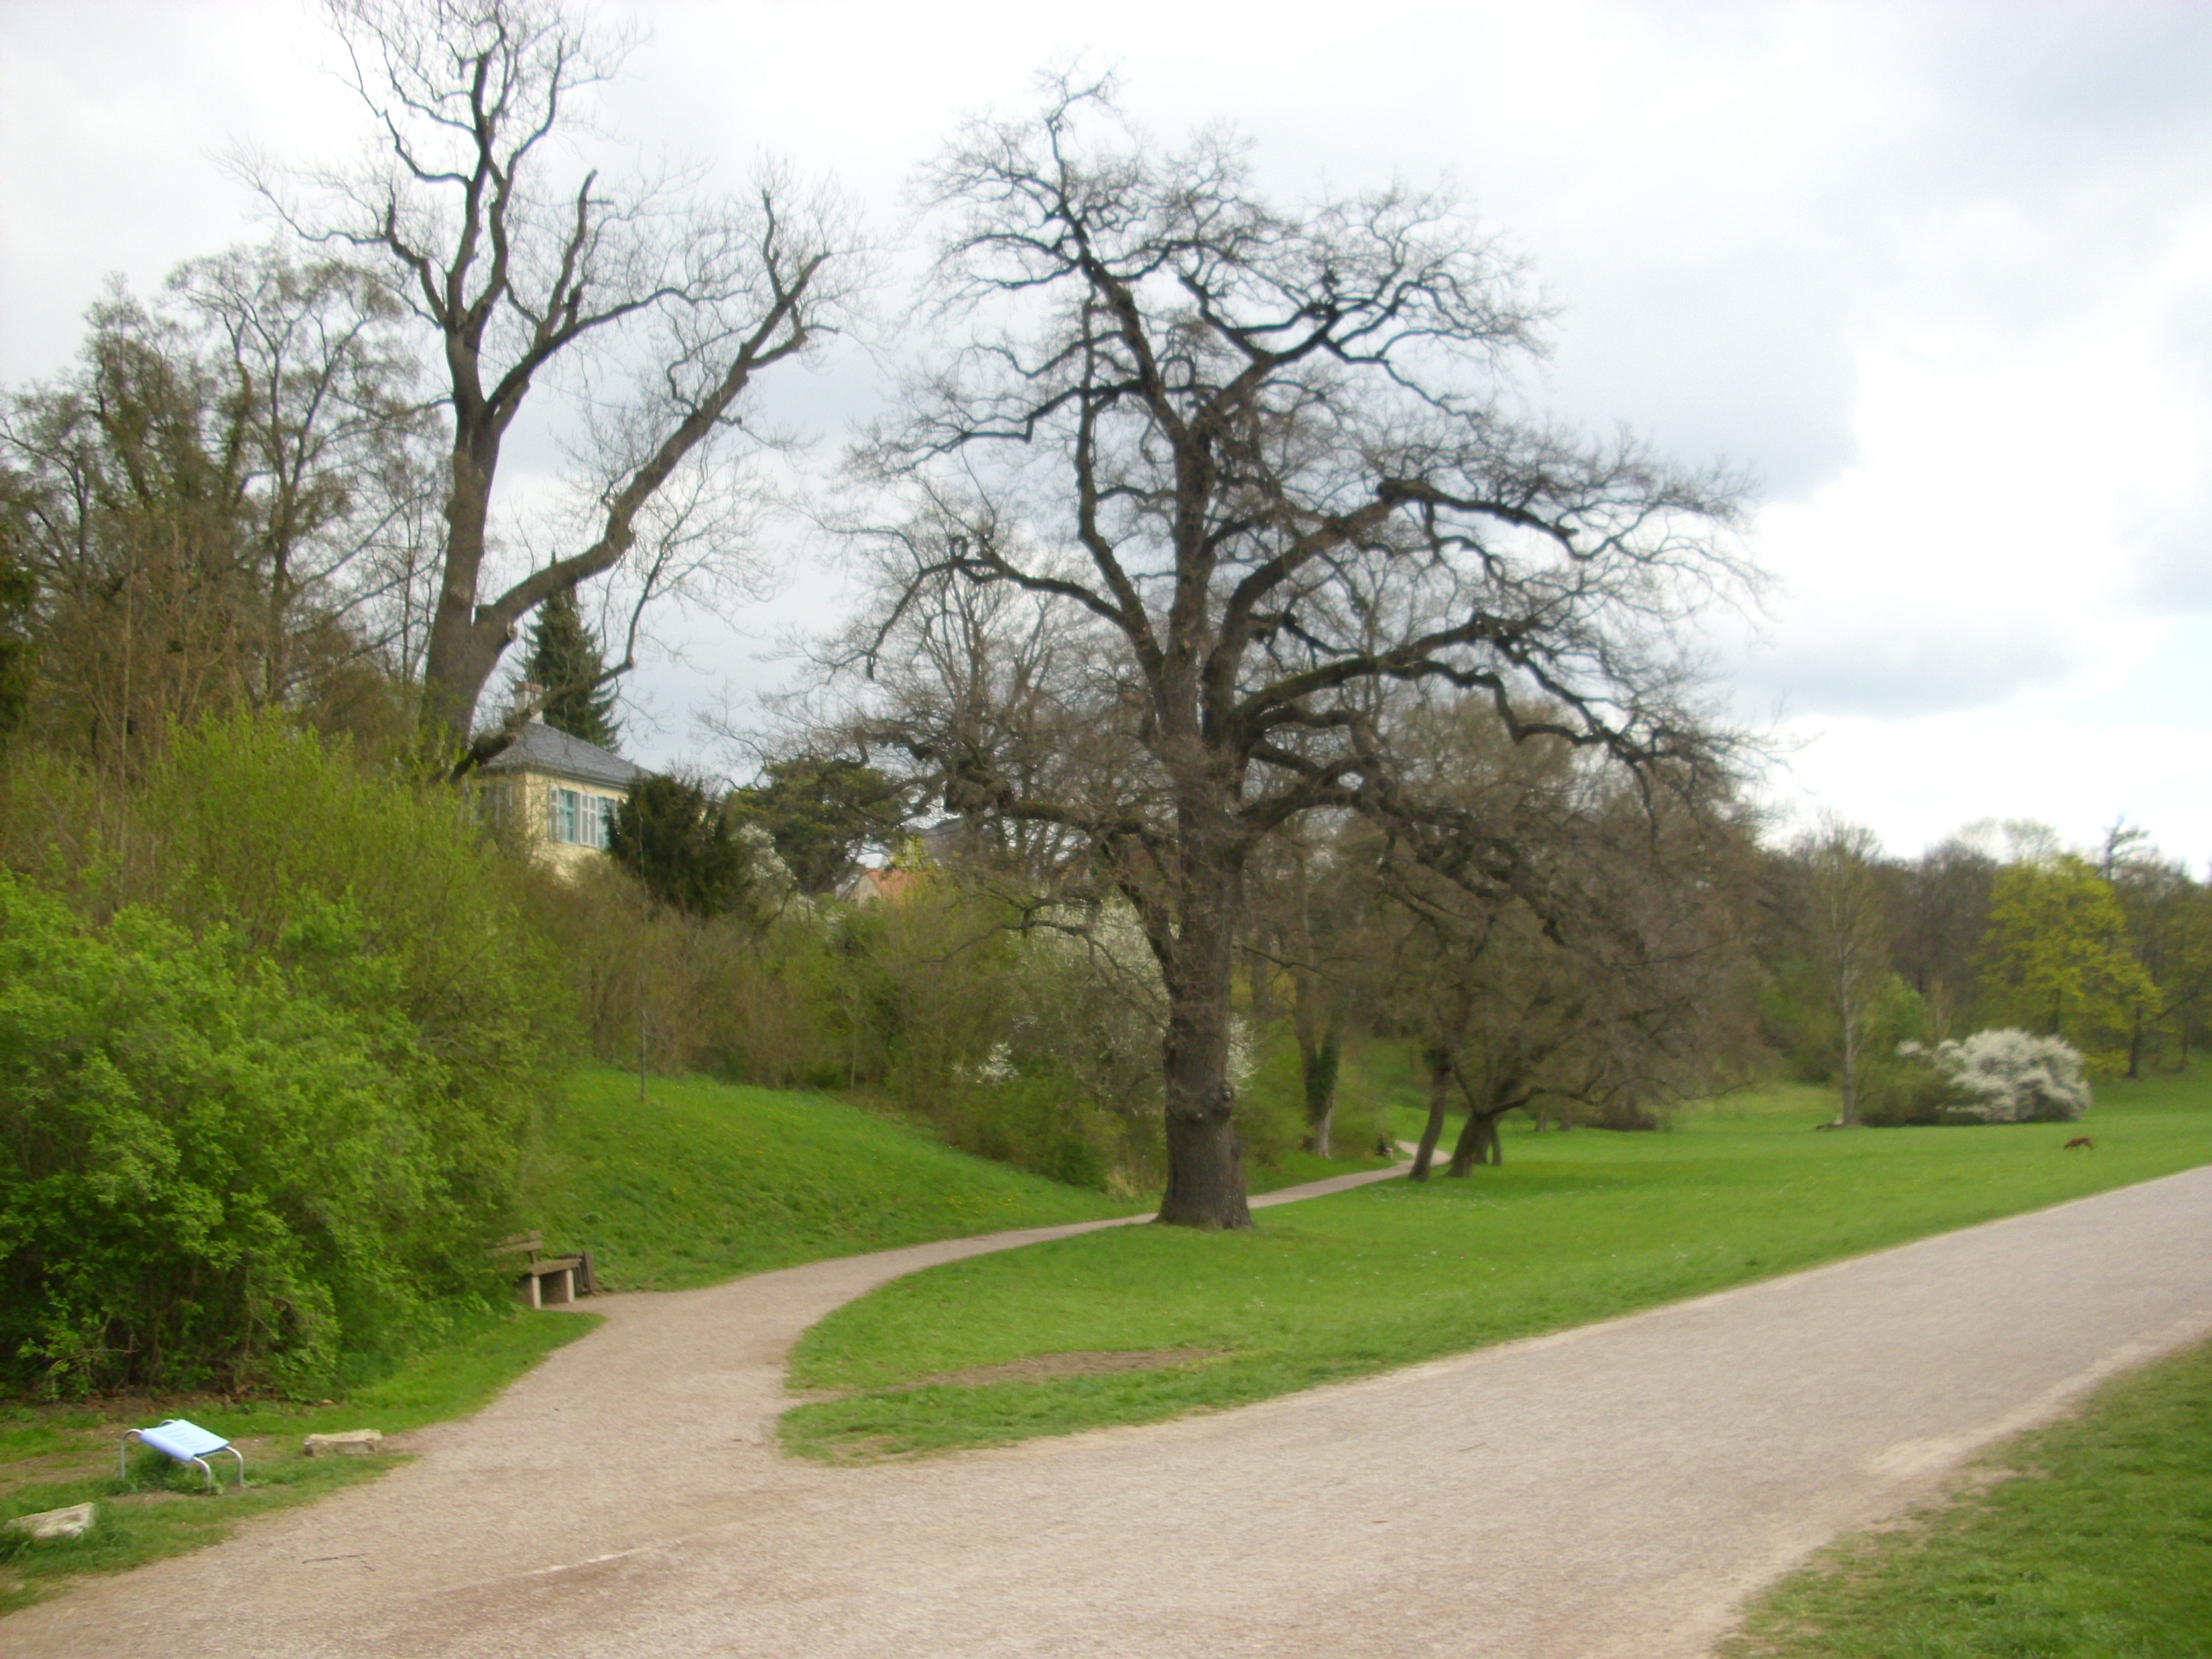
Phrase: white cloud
pixel 1991 538
pixel 1917 781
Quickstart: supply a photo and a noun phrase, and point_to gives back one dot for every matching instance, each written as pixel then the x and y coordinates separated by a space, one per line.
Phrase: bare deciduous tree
pixel 1848 919
pixel 1264 460
pixel 326 397
pixel 1943 910
pixel 1623 993
pixel 522 265
pixel 207 503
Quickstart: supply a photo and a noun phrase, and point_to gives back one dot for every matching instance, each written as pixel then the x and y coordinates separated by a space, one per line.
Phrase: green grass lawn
pixel 1575 1227
pixel 2088 1540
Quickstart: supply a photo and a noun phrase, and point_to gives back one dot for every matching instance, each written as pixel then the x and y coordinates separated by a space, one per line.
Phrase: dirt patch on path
pixel 1050 1368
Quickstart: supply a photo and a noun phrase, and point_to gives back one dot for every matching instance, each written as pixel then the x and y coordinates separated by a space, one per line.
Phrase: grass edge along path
pixel 1573 1229
pixel 2090 1538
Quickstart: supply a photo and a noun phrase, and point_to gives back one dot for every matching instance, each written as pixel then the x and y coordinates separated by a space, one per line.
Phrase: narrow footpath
pixel 1610 1491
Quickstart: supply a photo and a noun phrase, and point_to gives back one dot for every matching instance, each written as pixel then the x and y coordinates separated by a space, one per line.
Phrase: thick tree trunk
pixel 453 677
pixel 1478 1143
pixel 1205 1167
pixel 458 658
pixel 1440 1089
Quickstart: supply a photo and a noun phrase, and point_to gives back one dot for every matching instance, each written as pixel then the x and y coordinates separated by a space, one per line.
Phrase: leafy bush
pixel 742 996
pixel 251 825
pixel 1903 1089
pixel 255 825
pixel 1032 1047
pixel 1895 1086
pixel 2004 1076
pixel 211 1175
pixel 274 1031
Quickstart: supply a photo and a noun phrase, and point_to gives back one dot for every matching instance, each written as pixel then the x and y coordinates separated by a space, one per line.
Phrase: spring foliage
pixel 674 836
pixel 265 1068
pixel 2059 961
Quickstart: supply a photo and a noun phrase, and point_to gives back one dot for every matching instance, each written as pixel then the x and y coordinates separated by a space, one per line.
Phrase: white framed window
pixel 576 819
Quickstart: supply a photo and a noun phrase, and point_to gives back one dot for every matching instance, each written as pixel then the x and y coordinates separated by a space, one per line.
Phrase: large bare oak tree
pixel 1262 462
pixel 524 261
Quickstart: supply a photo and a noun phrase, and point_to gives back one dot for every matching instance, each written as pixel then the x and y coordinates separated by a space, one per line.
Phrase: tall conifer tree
pixel 565 660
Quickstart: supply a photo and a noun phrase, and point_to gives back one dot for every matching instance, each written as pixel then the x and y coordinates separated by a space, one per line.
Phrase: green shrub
pixel 674 836
pixel 1894 1092
pixel 1897 1087
pixel 254 825
pixel 248 824
pixel 276 1027
pixel 1022 1046
pixel 210 1174
pixel 1270 1110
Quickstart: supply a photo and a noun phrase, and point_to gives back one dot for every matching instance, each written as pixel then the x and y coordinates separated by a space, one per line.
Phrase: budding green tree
pixel 2058 959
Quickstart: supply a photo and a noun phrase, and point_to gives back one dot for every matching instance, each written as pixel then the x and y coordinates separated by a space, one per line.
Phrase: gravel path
pixel 1608 1490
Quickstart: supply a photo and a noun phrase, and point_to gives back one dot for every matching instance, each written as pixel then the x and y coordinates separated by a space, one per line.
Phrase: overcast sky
pixel 1941 276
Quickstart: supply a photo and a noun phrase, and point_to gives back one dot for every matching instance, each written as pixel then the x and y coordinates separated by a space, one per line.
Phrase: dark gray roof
pixel 541 748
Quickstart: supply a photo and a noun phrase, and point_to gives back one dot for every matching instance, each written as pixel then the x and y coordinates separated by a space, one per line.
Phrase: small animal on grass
pixel 2083 1142
pixel 1836 1125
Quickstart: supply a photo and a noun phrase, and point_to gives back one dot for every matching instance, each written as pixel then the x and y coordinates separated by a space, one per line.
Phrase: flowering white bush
pixel 2010 1077
pixel 771 876
pixel 997 1066
pixel 1244 1053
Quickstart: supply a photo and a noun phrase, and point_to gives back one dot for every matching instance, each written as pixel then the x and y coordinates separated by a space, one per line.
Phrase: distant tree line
pixel 2107 948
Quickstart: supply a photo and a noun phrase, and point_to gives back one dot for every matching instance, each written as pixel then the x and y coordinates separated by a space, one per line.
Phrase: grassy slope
pixel 702 1182
pixel 705 1180
pixel 1575 1227
pixel 2096 1543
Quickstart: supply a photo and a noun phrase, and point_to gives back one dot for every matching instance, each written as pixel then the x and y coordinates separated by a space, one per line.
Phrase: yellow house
pixel 559 791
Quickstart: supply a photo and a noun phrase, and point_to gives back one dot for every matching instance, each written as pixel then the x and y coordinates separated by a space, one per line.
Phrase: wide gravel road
pixel 1613 1489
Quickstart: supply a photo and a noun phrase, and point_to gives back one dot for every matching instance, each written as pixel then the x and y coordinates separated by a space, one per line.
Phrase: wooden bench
pixel 551 1280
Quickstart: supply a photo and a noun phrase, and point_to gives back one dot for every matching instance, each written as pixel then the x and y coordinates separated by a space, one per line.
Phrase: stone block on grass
pixel 49 1524
pixel 353 1443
